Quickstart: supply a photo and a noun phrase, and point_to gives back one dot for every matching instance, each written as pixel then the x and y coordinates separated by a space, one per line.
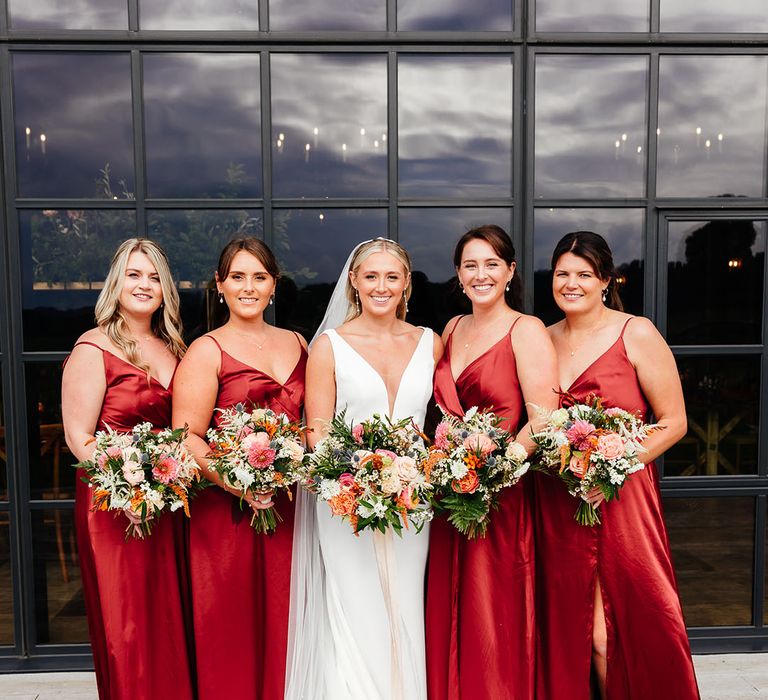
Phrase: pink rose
pixel 357 433
pixel 347 481
pixel 406 468
pixel 244 432
pixel 261 457
pixel 133 472
pixel 166 470
pixel 578 466
pixel 441 436
pixel 578 434
pixel 110 453
pixel 259 440
pixel 479 442
pixel 388 457
pixel 610 446
pixel 613 411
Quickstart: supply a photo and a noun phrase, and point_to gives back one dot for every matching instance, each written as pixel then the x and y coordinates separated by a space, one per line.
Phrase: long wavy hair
pixel 166 321
pixel 379 245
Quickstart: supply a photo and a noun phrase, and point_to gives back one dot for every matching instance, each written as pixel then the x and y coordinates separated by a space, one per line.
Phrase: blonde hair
pixel 166 321
pixel 379 245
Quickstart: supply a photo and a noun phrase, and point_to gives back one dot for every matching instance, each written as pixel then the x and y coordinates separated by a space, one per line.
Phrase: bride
pixel 357 611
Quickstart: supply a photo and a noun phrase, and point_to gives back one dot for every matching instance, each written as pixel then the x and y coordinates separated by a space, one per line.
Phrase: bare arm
pixel 537 372
pixel 437 349
pixel 320 397
pixel 83 386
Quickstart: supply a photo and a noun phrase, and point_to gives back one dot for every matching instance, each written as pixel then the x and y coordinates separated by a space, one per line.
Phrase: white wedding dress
pixel 371 635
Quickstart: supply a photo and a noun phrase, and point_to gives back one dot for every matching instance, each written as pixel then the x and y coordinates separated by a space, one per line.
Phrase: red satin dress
pixel 648 651
pixel 241 580
pixel 480 627
pixel 134 590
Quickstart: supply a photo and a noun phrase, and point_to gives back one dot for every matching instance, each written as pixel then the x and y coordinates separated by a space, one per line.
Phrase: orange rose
pixel 343 504
pixel 467 484
pixel 577 466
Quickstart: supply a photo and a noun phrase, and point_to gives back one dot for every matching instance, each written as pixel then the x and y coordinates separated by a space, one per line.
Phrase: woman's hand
pixel 595 497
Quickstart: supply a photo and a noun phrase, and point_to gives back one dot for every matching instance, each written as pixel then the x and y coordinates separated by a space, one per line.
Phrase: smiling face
pixel 142 292
pixel 380 280
pixel 482 273
pixel 247 287
pixel 576 286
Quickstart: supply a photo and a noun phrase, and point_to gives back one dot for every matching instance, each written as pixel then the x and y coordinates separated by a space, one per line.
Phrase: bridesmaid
pixel 120 374
pixel 480 593
pixel 609 598
pixel 240 580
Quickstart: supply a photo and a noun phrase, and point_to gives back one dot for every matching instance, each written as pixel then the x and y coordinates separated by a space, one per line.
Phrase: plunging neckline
pixel 152 378
pixel 595 361
pixel 262 372
pixel 390 405
pixel 479 357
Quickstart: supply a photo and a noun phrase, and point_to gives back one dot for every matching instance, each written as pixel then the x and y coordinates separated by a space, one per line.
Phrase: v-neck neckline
pixel 594 362
pixel 152 378
pixel 266 374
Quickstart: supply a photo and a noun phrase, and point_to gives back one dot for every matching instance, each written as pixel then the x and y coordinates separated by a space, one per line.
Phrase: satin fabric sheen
pixel 648 650
pixel 134 590
pixel 480 593
pixel 240 579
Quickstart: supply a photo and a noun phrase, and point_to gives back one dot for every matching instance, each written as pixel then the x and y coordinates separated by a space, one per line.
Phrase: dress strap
pixel 298 340
pixel 88 342
pixel 455 326
pixel 218 345
pixel 624 327
pixel 514 323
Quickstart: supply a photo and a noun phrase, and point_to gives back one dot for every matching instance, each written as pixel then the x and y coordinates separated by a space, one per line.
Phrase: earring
pixel 605 294
pixel 405 299
pixel 461 287
pixel 272 300
pixel 357 301
pixel 506 289
pixel 221 298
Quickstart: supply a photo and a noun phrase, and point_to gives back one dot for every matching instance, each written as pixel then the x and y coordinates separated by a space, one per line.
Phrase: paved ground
pixel 721 677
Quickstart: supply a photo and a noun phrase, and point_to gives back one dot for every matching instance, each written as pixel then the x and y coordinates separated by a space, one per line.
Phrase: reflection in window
pixel 305 15
pixel 73 124
pixel 241 15
pixel 590 126
pixel 712 126
pixel 311 246
pixel 429 236
pixel 329 125
pixel 59 604
pixel 715 278
pixel 193 240
pixel 622 228
pixel 202 124
pixel 712 552
pixel 439 15
pixel 6 582
pixel 55 14
pixel 592 16
pixel 722 399
pixel 713 16
pixel 65 255
pixel 455 126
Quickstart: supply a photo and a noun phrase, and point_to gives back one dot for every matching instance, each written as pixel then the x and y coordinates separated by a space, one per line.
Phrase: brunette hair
pixel 596 251
pixel 502 245
pixel 364 251
pixel 166 321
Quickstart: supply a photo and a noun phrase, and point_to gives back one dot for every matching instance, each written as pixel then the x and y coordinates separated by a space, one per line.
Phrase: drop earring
pixel 461 287
pixel 605 294
pixel 405 299
pixel 221 298
pixel 272 300
pixel 357 301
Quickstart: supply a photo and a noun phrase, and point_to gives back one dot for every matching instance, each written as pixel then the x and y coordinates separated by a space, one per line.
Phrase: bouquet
pixel 257 451
pixel 369 474
pixel 470 462
pixel 590 446
pixel 141 474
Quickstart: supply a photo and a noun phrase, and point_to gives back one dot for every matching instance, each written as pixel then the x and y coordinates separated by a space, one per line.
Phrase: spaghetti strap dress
pixel 480 625
pixel 648 651
pixel 240 579
pixel 134 590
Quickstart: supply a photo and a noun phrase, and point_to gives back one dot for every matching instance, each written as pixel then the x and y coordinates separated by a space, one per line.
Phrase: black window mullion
pixel 139 161
pixel 655 14
pixel 265 105
pixel 393 141
pixel 761 519
pixel 133 15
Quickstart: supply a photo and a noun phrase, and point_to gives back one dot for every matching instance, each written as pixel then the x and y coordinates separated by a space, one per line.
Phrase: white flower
pixel 244 476
pixel 176 505
pixel 379 509
pixel 329 489
pixel 516 452
pixel 558 418
pixel 470 413
pixel 364 511
pixel 458 469
pixel 390 482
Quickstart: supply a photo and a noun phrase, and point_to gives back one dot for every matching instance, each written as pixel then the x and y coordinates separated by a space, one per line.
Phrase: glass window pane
pixel 6 583
pixel 304 15
pixel 73 125
pixel 68 14
pixel 622 228
pixel 592 15
pixel 311 246
pixel 3 466
pixel 455 126
pixel 59 603
pixel 51 475
pixel 712 126
pixel 712 541
pixel 439 15
pixel 329 125
pixel 202 125
pixel 713 16
pixel 65 256
pixel 590 126
pixel 241 15
pixel 429 236
pixel 715 281
pixel 722 399
pixel 193 240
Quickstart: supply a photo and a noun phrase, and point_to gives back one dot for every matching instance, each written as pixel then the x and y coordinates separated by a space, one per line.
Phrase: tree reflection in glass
pixel 339 15
pixel 590 126
pixel 455 15
pixel 715 281
pixel 713 16
pixel 429 236
pixel 72 121
pixel 240 15
pixel 592 16
pixel 202 125
pixel 329 125
pixel 455 126
pixel 622 228
pixel 712 126
pixel 55 14
pixel 311 246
